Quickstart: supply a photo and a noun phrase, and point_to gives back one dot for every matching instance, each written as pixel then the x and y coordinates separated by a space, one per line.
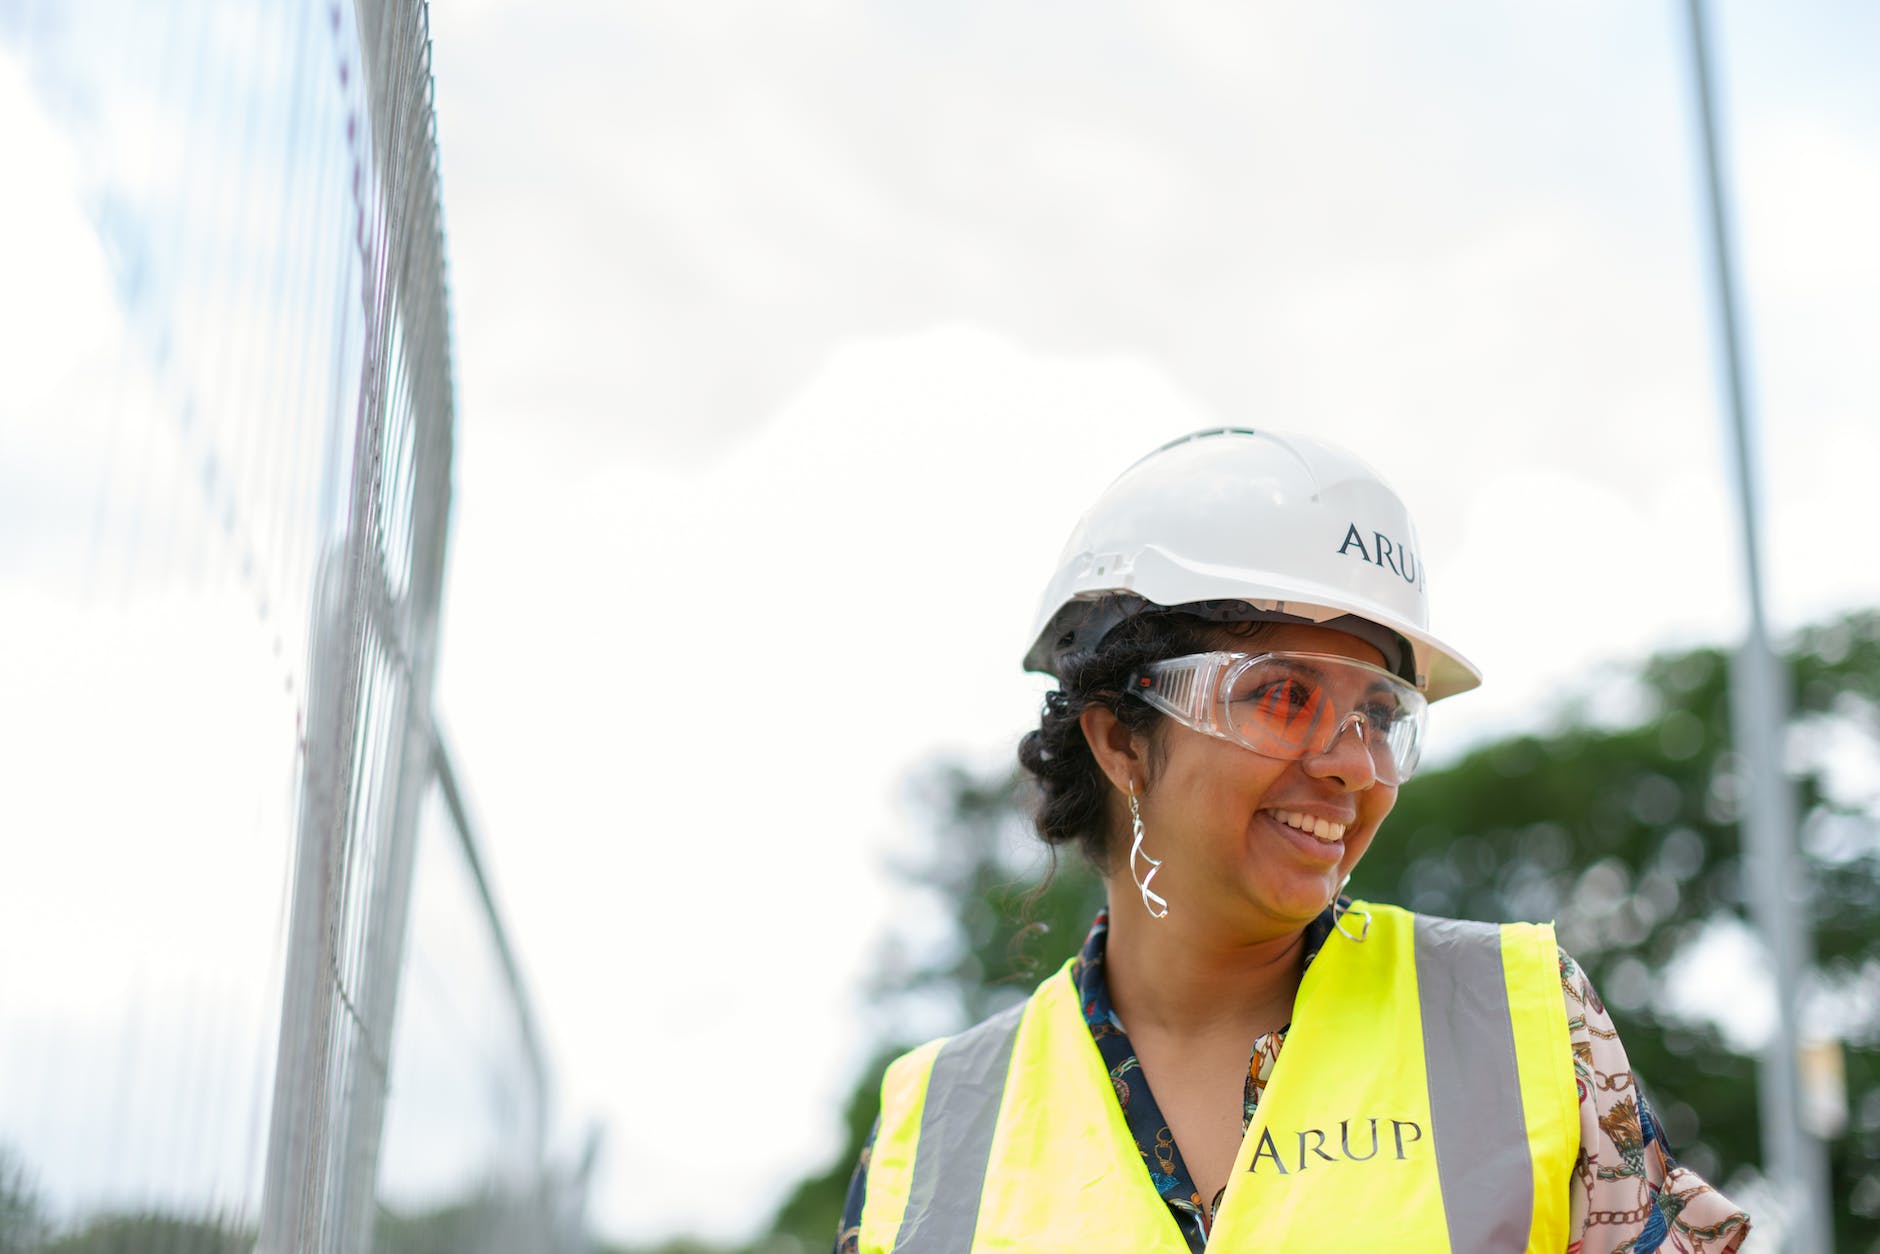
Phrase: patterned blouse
pixel 1629 1195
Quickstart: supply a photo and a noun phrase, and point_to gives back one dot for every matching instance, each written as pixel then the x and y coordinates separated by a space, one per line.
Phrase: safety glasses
pixel 1291 705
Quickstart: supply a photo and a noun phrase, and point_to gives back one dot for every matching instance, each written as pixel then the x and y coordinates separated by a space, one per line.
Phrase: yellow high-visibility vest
pixel 1424 1101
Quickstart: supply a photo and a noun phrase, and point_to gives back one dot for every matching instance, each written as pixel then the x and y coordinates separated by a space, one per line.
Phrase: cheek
pixel 1373 809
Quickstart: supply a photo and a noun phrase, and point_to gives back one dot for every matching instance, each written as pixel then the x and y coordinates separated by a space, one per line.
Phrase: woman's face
pixel 1227 822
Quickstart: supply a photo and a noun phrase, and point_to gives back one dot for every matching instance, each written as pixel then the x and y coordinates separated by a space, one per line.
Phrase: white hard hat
pixel 1239 524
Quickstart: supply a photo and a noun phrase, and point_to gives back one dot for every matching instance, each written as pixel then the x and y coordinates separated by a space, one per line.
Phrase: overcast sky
pixel 792 339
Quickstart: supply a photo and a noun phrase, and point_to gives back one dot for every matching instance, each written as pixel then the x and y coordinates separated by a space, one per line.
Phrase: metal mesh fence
pixel 464 1139
pixel 225 449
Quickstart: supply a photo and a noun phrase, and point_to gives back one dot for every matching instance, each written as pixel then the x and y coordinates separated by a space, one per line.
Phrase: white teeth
pixel 1322 829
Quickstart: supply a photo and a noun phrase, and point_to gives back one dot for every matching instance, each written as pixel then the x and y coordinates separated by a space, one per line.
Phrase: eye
pixel 1381 714
pixel 1284 697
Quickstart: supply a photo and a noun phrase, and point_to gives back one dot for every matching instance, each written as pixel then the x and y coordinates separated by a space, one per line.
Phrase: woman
pixel 1241 1057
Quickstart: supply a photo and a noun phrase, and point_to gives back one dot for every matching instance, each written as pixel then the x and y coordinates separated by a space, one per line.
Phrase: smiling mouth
pixel 1318 829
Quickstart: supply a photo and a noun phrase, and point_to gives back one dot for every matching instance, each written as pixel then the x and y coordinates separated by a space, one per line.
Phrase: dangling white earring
pixel 1153 902
pixel 1339 916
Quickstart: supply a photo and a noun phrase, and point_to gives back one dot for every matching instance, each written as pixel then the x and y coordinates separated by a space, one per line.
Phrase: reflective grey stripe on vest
pixel 1476 1117
pixel 956 1124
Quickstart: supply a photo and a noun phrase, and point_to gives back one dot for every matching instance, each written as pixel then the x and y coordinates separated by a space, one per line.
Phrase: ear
pixel 1118 751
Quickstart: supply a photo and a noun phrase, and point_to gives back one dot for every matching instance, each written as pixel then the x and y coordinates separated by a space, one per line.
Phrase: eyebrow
pixel 1292 663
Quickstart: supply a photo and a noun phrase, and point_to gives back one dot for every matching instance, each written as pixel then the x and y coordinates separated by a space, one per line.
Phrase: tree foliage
pixel 1618 819
pixel 484 1221
pixel 140 1232
pixel 23 1224
pixel 26 1228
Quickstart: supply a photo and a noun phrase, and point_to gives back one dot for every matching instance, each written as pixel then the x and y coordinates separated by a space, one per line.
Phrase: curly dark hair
pixel 1072 788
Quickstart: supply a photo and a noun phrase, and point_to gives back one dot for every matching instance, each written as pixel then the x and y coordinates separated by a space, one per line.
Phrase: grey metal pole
pixel 1795 1160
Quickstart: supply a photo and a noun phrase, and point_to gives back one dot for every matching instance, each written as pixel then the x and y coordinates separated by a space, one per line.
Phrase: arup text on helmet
pixel 1397 557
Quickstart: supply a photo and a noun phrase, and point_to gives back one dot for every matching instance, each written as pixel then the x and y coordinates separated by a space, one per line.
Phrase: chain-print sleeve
pixel 1629 1194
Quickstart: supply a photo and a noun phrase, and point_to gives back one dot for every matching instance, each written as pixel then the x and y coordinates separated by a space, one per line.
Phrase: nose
pixel 1346 759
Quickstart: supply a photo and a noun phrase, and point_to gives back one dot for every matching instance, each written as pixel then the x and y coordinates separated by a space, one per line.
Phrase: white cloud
pixel 46 249
pixel 150 816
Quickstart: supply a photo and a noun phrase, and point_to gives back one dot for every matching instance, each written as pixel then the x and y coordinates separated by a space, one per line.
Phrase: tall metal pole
pixel 1794 1159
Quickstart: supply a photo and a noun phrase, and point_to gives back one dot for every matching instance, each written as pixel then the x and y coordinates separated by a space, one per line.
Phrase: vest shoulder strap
pixel 935 1170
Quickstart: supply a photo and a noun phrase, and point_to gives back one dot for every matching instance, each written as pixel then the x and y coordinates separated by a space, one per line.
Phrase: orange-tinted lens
pixel 1278 713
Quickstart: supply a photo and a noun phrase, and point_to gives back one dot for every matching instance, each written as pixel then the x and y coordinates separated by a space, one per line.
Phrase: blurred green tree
pixel 23 1225
pixel 459 1227
pixel 1618 819
pixel 143 1232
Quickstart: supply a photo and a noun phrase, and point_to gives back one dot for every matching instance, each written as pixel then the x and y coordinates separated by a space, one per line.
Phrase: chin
pixel 1300 910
